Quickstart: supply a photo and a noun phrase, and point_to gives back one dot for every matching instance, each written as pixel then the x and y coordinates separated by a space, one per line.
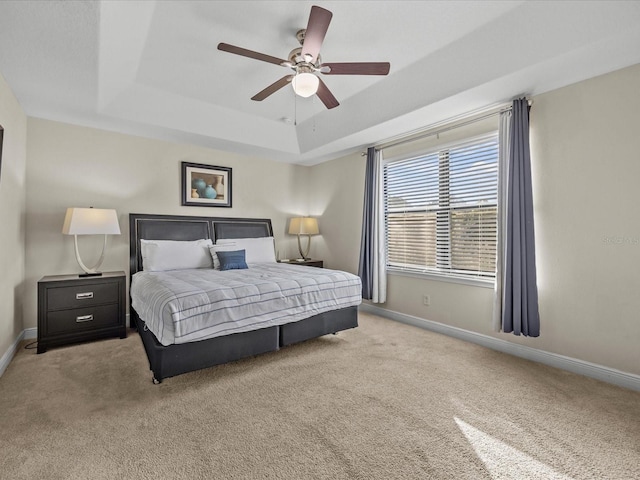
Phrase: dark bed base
pixel 172 360
pixel 318 325
pixel 176 359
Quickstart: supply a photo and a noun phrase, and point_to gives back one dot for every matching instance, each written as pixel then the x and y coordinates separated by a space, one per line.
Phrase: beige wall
pixel 12 210
pixel 336 192
pixel 75 166
pixel 585 161
pixel 586 151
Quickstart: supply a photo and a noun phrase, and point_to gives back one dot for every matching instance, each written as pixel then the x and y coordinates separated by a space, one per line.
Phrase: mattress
pixel 184 306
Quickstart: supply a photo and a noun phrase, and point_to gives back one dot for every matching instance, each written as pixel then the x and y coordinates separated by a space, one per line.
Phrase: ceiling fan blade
pixel 225 47
pixel 319 20
pixel 326 96
pixel 274 87
pixel 357 68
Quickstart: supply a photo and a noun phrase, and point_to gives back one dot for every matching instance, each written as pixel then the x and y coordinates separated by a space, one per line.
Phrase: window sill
pixel 474 282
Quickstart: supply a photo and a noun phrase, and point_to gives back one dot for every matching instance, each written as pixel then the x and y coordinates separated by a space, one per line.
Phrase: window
pixel 441 210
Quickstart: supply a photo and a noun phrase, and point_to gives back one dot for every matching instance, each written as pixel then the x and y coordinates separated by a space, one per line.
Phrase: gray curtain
pixel 520 292
pixel 373 263
pixel 365 268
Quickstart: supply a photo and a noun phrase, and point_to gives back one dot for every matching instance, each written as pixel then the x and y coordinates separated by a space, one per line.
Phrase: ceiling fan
pixel 306 62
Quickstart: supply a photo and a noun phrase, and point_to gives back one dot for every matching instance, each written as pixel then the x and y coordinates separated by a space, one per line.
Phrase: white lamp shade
pixel 305 84
pixel 303 226
pixel 91 221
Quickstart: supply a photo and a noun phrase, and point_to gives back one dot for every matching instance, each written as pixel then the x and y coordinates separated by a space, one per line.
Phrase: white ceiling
pixel 152 68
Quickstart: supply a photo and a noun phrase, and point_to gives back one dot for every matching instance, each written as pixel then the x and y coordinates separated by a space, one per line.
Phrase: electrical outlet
pixel 426 299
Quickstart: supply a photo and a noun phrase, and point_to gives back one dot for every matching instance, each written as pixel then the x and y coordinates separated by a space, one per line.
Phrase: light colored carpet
pixel 383 401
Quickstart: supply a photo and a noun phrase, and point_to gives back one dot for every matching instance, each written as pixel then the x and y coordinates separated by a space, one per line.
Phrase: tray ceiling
pixel 152 68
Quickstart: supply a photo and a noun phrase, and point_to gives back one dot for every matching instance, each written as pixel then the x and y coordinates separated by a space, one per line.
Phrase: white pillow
pixel 162 255
pixel 257 250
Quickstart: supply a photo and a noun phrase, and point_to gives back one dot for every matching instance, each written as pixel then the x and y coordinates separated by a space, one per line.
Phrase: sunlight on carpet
pixel 504 461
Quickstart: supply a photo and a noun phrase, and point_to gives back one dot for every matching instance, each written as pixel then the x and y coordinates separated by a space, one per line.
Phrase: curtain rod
pixel 446 125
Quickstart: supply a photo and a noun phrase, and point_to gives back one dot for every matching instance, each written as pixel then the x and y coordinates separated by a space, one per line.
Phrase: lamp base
pixel 89 272
pixel 304 253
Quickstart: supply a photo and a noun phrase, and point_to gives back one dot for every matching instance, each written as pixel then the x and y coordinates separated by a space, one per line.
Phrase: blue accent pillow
pixel 234 260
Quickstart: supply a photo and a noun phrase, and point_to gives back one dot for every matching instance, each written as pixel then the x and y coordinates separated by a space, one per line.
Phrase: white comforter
pixel 183 306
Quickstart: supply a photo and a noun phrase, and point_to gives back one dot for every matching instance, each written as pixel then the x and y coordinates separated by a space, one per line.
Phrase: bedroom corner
pixel 12 217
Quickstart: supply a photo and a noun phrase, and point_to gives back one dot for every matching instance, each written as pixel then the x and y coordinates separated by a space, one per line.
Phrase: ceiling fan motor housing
pixel 297 60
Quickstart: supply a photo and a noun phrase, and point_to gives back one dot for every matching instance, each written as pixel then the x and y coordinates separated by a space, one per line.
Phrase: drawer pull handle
pixel 84 318
pixel 83 296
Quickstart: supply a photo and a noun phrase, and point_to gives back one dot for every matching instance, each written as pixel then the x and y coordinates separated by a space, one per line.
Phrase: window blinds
pixel 441 210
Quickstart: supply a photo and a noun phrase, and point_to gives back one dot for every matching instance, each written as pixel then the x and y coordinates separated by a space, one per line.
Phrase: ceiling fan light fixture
pixel 305 84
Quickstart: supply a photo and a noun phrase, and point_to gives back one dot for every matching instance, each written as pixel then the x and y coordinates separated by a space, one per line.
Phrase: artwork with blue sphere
pixel 210 192
pixel 205 185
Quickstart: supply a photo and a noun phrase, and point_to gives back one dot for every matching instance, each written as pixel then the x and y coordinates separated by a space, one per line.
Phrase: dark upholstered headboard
pixel 181 227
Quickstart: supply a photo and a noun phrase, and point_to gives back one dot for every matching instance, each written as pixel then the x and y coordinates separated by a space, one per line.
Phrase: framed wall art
pixel 205 185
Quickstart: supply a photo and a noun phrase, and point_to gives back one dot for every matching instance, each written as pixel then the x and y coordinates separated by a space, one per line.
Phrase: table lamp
pixel 90 221
pixel 304 226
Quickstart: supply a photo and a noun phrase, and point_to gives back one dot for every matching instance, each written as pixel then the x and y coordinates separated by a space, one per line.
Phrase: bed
pixel 167 360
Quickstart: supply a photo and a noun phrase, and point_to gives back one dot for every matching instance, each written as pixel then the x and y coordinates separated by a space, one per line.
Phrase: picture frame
pixel 205 185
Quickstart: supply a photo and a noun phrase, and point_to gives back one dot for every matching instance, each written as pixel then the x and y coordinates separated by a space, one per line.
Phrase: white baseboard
pixel 27 334
pixel 599 372
pixel 30 333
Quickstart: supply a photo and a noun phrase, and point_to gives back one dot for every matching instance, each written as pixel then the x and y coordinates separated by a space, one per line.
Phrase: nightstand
pixel 308 262
pixel 74 309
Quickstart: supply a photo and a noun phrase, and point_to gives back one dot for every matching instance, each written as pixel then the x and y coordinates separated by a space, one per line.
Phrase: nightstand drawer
pixel 78 296
pixel 78 319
